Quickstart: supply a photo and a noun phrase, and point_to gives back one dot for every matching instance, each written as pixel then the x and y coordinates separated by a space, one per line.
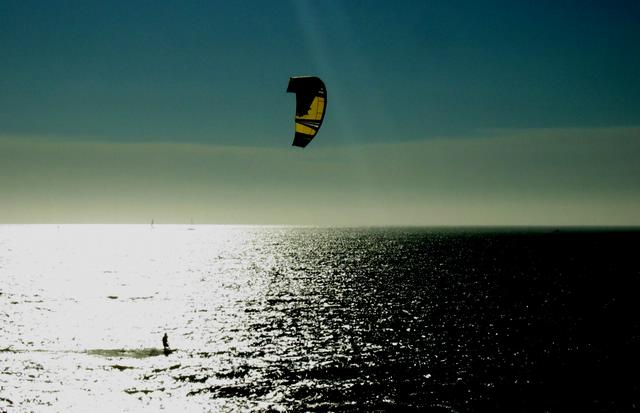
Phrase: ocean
pixel 318 319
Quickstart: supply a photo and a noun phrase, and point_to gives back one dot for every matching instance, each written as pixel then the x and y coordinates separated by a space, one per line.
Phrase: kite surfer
pixel 165 344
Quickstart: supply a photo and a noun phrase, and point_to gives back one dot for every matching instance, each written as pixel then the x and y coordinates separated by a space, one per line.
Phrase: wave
pixel 104 352
pixel 130 353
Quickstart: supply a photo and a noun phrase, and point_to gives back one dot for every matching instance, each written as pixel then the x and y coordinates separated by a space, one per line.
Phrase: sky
pixel 439 112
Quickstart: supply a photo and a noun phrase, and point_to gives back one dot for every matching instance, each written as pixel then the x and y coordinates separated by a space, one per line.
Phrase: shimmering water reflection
pixel 277 318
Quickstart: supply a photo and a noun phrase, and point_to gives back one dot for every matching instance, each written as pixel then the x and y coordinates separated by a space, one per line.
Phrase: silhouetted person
pixel 165 344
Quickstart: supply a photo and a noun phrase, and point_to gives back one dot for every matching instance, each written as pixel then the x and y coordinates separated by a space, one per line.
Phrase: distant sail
pixel 311 105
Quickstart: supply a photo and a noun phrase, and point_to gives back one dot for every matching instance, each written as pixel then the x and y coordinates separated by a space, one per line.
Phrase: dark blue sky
pixel 448 112
pixel 216 72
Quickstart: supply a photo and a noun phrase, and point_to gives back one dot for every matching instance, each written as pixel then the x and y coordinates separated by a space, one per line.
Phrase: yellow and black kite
pixel 311 105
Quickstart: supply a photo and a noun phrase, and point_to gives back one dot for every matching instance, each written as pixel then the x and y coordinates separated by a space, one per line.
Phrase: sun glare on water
pixel 86 299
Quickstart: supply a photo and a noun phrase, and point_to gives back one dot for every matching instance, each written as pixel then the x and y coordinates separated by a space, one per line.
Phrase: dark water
pixel 460 321
pixel 308 319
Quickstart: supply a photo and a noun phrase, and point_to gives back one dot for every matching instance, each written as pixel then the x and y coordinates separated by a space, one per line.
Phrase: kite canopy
pixel 311 104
